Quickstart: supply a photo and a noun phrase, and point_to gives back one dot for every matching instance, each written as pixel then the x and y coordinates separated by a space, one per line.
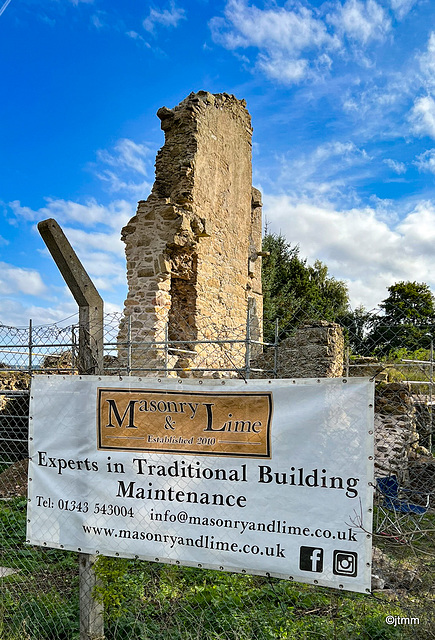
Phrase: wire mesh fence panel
pixel 51 349
pixel 39 586
pixel 14 418
pixel 177 349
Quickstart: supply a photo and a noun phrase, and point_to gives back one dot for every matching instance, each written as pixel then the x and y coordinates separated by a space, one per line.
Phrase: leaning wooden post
pixel 90 362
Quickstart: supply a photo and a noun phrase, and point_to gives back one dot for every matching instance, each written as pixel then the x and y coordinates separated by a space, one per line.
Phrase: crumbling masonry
pixel 193 248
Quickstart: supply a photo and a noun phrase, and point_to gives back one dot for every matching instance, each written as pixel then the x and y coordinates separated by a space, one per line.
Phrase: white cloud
pixel 98 241
pixel 63 312
pixel 377 101
pixel 297 43
pixel 402 7
pixel 330 170
pixel 93 228
pixel 361 21
pixel 342 150
pixel 397 167
pixel 15 280
pixel 134 35
pixel 422 117
pixel 427 62
pixel 359 245
pixel 166 18
pixel 129 154
pixel 126 158
pixel 418 229
pixel 116 184
pixel 289 31
pixel 115 215
pixel 100 251
pixel 15 313
pixel 426 161
pixel 286 71
pixel 97 21
pixel 102 255
pixel 280 34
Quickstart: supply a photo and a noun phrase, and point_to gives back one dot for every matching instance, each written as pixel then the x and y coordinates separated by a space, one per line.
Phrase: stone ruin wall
pixel 314 350
pixel 193 263
pixel 396 434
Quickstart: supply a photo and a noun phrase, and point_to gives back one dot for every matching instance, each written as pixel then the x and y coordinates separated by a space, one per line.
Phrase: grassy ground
pixel 145 601
pixel 41 599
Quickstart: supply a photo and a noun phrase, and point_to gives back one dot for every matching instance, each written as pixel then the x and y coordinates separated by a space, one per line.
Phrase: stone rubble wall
pixel 193 247
pixel 397 443
pixel 12 381
pixel 315 350
pixel 396 435
pixel 14 414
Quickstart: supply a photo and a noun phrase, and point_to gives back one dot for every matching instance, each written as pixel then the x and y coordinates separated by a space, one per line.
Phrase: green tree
pixel 296 292
pixel 357 324
pixel 409 303
pixel 407 322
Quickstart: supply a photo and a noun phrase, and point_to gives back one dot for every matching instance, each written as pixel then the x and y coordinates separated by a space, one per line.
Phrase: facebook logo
pixel 311 559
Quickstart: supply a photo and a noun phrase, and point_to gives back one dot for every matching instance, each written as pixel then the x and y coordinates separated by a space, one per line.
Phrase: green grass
pixel 40 601
pixel 147 601
pixel 180 603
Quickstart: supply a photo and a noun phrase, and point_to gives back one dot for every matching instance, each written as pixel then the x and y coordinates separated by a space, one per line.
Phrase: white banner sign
pixel 264 477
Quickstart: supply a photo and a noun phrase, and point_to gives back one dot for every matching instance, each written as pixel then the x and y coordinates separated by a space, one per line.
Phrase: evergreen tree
pixel 295 292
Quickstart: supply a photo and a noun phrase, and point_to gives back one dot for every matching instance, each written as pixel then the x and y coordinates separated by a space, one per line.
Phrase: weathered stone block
pixel 145 272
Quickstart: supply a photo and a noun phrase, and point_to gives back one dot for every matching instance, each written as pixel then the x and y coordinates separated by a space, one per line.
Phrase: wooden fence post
pixel 91 348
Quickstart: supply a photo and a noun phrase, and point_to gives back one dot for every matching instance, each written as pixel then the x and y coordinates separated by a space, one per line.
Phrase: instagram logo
pixel 345 563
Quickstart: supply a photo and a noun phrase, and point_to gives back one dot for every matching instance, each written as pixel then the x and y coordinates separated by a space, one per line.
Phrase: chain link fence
pixel 39 587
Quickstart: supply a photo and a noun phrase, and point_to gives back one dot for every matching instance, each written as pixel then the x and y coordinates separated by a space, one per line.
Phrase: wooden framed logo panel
pixel 217 424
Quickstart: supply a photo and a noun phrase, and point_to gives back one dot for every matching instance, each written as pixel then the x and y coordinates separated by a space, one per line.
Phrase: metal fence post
pixel 91 352
pixel 166 348
pixel 30 364
pixel 129 345
pixel 73 349
pixel 248 344
pixel 276 351
pixel 430 439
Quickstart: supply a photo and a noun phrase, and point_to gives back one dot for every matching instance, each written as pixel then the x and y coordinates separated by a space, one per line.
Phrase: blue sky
pixel 342 99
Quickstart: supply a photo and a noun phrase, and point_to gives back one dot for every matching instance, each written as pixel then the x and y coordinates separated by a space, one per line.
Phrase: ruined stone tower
pixel 193 264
